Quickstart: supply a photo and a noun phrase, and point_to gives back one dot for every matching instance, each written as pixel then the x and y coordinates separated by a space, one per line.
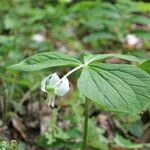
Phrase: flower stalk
pixel 69 73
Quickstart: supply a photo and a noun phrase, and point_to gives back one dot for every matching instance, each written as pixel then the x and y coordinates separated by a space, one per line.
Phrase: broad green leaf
pixel 145 66
pixel 116 87
pixel 120 141
pixel 97 36
pixel 102 57
pixel 140 20
pixel 45 60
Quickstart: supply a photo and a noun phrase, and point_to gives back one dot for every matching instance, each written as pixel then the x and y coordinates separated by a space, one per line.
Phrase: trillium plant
pixel 119 88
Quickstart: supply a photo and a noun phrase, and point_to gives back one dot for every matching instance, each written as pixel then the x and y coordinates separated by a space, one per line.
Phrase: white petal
pixel 43 83
pixel 63 87
pixel 54 79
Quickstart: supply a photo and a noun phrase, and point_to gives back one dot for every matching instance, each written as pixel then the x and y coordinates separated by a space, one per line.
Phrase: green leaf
pixel 116 87
pixel 119 140
pixel 60 134
pixel 142 34
pixel 135 128
pixel 45 60
pixel 98 36
pixel 140 20
pixel 21 146
pixel 96 138
pixel 3 145
pixel 145 66
pixel 102 57
pixel 142 6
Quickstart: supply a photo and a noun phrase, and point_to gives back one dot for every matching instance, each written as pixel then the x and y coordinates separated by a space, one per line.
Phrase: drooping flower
pixel 53 86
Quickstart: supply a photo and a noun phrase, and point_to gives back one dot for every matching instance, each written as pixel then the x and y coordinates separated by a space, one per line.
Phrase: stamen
pixel 52 104
pixel 53 101
pixel 48 100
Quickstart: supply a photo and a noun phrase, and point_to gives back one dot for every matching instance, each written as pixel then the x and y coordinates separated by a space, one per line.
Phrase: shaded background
pixel 72 27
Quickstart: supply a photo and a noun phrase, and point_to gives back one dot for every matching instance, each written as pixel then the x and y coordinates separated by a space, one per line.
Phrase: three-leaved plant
pixel 120 88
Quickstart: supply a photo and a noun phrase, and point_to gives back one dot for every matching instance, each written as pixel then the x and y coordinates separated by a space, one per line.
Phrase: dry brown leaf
pixel 17 124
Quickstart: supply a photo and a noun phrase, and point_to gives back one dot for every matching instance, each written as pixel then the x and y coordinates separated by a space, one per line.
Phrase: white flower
pixel 132 40
pixel 39 37
pixel 53 85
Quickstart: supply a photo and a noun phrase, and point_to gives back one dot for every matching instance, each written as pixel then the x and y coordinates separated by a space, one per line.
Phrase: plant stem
pixel 85 133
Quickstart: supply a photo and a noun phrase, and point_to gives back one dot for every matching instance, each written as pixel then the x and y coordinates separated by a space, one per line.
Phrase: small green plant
pixel 8 145
pixel 118 88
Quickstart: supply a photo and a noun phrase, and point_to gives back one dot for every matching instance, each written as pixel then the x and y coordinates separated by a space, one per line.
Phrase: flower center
pixel 50 89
